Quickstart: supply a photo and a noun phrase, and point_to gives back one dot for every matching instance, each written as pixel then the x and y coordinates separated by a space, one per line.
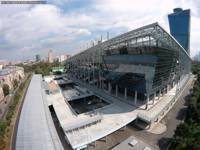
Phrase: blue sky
pixel 69 26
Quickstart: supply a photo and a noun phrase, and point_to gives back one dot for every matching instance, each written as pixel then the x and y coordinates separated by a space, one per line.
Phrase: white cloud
pixel 39 27
pixel 133 14
pixel 84 31
pixel 195 35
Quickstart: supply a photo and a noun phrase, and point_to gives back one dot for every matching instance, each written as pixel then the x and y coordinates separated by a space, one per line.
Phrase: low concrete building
pixel 132 143
pixel 1 94
pixel 1 66
pixel 11 73
pixel 50 56
pixel 52 88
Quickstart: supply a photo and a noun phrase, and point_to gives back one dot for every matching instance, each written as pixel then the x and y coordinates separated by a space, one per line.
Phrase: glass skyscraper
pixel 179 23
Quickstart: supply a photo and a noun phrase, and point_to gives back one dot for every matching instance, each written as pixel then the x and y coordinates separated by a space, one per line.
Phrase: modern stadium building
pixel 141 63
pixel 135 77
pixel 138 75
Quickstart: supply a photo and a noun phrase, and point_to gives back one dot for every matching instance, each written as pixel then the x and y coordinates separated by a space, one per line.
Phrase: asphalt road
pixel 173 118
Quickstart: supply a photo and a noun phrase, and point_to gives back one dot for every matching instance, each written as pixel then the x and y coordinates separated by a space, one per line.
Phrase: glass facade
pixel 179 23
pixel 146 60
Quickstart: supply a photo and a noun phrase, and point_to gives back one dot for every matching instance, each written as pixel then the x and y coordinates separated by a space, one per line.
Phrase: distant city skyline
pixel 68 27
pixel 197 56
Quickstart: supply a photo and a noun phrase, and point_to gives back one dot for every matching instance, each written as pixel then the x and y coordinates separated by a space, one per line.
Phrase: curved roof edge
pixel 174 40
pixel 105 43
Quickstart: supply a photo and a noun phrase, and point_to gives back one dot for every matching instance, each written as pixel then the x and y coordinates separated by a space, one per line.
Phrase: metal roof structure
pixel 149 48
pixel 36 129
pixel 149 35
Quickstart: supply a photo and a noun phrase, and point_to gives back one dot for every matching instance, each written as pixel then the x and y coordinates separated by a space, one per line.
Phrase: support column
pixel 93 144
pixel 93 70
pixel 99 82
pixel 135 98
pixel 116 92
pixel 102 84
pixel 154 96
pixel 109 87
pixel 168 87
pixel 149 126
pixel 84 74
pixel 159 94
pixel 177 87
pixel 147 102
pixel 125 93
pixel 165 89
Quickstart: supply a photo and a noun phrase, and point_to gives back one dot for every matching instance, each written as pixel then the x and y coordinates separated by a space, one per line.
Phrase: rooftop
pixel 36 129
pixel 132 143
pixel 9 70
pixel 52 86
pixel 107 119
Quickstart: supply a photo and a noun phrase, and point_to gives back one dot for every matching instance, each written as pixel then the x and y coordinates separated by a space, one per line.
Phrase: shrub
pixel 6 89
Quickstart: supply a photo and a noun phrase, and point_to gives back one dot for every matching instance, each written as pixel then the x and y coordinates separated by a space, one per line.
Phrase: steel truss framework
pixel 90 65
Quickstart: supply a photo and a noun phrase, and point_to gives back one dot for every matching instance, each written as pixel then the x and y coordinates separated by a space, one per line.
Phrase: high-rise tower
pixel 179 23
pixel 50 56
pixel 37 58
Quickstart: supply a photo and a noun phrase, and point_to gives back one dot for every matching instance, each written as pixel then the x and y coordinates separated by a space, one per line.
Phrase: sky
pixel 69 26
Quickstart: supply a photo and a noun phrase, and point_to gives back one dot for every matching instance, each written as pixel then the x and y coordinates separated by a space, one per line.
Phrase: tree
pixel 15 83
pixel 6 89
pixel 38 70
pixel 187 135
pixel 20 78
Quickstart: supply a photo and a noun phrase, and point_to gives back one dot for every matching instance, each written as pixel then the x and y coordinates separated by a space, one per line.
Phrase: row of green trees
pixel 187 134
pixel 43 68
pixel 6 122
pixel 6 88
